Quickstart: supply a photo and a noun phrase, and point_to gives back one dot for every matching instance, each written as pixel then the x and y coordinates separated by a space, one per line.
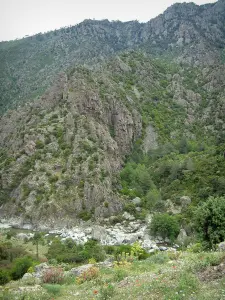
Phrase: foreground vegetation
pixel 181 275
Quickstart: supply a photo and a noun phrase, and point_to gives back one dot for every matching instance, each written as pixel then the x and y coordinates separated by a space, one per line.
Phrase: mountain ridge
pixel 29 66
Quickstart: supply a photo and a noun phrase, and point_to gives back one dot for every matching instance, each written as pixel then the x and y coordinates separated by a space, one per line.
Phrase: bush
pixel 53 289
pixel 20 267
pixel 53 275
pixel 209 220
pixel 107 291
pixel 120 274
pixel 164 225
pixel 4 277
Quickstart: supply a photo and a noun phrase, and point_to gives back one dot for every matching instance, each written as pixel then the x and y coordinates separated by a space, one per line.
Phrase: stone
pixel 128 216
pixel 30 148
pixel 40 268
pixel 79 270
pixel 171 208
pixel 136 201
pixel 98 233
pixel 182 236
pixel 163 248
pixel 185 201
pixel 22 236
pixel 27 276
pixel 221 247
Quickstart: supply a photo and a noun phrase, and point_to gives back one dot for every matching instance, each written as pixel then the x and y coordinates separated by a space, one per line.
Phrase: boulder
pixel 221 246
pixel 27 276
pixel 79 270
pixel 136 201
pixel 185 201
pixel 171 208
pixel 182 236
pixel 128 216
pixel 22 236
pixel 98 233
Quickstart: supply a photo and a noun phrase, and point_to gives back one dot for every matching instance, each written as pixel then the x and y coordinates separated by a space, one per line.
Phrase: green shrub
pixel 20 267
pixel 209 220
pixel 107 291
pixel 4 277
pixel 159 258
pixel 53 289
pixel 120 274
pixel 130 208
pixel 39 144
pixel 85 215
pixel 164 225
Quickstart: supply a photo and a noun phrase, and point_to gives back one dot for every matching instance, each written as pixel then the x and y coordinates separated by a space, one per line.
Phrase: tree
pixel 209 220
pixel 37 240
pixel 165 226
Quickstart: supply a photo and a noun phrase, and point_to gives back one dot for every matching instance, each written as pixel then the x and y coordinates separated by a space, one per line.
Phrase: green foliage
pixel 138 251
pixel 39 144
pixel 20 267
pixel 54 289
pixel 85 215
pixel 137 177
pixel 107 291
pixel 70 252
pixel 164 225
pixel 4 277
pixel 120 274
pixel 210 220
pixel 38 239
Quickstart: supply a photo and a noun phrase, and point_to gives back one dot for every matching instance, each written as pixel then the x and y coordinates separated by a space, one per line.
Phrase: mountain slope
pixel 62 160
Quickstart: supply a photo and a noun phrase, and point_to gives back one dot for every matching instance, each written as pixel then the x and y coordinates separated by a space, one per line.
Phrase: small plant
pixel 53 289
pixel 195 248
pixel 120 274
pixel 107 291
pixel 90 274
pixel 39 144
pixel 53 275
pixel 92 261
pixel 137 250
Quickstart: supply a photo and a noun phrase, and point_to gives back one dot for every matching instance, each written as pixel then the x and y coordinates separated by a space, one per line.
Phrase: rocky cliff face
pixel 65 151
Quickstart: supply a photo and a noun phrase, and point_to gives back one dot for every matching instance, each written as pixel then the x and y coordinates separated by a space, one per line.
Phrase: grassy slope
pixel 162 276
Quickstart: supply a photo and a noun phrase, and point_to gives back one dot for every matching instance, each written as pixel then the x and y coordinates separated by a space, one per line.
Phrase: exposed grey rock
pixel 128 216
pixel 27 276
pixel 136 201
pixel 40 268
pixel 79 270
pixel 182 236
pixel 170 207
pixel 162 248
pixel 185 201
pixel 221 246
pixel 98 233
pixel 150 140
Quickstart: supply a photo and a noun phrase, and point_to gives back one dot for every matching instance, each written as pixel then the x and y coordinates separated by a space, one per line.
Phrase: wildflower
pixel 95 292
